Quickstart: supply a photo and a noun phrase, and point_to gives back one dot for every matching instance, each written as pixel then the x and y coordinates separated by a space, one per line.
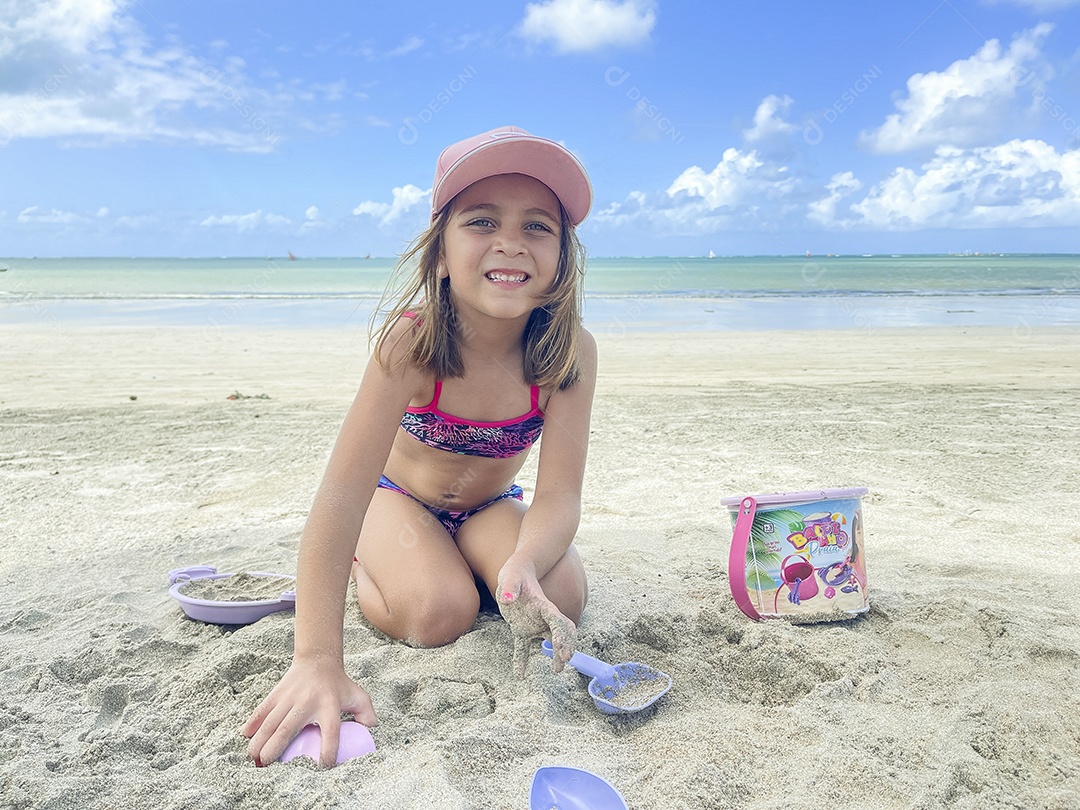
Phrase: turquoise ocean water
pixel 1020 291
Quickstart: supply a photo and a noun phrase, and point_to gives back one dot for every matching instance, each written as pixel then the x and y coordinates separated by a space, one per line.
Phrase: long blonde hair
pixel 549 345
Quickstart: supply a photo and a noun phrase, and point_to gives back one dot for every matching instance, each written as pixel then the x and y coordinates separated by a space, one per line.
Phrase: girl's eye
pixel 483 222
pixel 538 226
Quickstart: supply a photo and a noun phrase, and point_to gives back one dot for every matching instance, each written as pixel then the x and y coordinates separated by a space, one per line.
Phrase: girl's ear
pixel 441 270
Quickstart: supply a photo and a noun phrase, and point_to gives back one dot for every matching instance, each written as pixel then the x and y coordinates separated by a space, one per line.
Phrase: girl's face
pixel 501 245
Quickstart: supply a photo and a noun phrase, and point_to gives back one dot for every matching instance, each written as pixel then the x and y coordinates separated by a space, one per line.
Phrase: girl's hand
pixel 532 615
pixel 309 692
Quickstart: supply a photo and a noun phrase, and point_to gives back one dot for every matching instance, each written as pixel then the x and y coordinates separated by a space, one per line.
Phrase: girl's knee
pixel 430 617
pixel 443 616
pixel 567 586
pixel 573 600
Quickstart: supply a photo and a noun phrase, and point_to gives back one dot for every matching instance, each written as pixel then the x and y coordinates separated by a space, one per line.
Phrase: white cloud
pixel 964 104
pixel 743 189
pixel 246 222
pixel 85 68
pixel 1019 184
pixel 768 120
pixel 312 220
pixel 737 177
pixel 334 91
pixel 840 185
pixel 588 25
pixel 102 212
pixel 405 199
pixel 33 215
pixel 462 42
pixel 137 222
pixel 1039 5
pixel 408 46
pixel 73 24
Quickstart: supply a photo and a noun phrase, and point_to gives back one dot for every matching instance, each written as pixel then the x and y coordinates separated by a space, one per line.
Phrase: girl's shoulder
pixel 585 356
pixel 395 347
pixel 585 350
pixel 586 341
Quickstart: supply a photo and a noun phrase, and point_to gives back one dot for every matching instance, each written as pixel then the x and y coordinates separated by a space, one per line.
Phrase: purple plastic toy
pixel 560 788
pixel 355 741
pixel 613 686
pixel 206 610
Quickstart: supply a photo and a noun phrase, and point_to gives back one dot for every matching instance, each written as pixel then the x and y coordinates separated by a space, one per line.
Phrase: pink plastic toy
pixel 355 741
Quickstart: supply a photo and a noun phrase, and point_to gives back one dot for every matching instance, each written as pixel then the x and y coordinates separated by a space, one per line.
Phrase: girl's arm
pixel 316 689
pixel 549 525
pixel 551 521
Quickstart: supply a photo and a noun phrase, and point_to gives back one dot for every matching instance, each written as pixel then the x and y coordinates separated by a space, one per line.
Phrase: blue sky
pixel 242 128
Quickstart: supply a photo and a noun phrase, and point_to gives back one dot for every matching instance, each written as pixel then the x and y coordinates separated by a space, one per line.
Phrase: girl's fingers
pixel 257 748
pixel 251 725
pixel 277 720
pixel 289 726
pixel 532 615
pixel 362 710
pixel 563 636
pixel 521 655
pixel 330 725
pixel 330 733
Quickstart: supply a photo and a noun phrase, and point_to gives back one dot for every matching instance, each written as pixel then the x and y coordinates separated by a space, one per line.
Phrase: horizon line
pixel 890 254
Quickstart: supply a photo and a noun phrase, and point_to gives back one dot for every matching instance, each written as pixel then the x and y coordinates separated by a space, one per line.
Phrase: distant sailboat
pixel 291 257
pixel 712 255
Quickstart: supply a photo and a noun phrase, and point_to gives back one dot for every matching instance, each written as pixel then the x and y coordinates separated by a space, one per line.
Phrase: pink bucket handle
pixel 737 557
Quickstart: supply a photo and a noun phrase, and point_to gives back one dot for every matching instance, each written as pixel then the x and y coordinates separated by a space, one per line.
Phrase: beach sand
pixel 121 458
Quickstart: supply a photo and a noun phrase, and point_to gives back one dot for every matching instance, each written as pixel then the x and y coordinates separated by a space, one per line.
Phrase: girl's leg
pixel 412 583
pixel 488 538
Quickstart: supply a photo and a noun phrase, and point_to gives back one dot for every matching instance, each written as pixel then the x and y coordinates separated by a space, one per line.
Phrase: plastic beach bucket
pixel 799 556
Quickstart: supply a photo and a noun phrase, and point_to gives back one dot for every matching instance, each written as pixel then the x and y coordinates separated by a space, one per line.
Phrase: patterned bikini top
pixel 444 431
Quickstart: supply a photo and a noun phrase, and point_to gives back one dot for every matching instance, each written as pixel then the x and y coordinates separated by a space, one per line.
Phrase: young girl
pixel 483 348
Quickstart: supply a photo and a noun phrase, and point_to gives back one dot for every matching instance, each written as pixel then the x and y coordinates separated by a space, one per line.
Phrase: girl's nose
pixel 510 244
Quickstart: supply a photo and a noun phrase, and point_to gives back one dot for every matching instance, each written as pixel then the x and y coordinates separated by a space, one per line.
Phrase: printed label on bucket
pixel 805 560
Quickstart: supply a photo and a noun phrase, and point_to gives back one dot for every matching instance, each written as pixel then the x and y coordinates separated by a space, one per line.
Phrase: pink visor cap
pixel 510 150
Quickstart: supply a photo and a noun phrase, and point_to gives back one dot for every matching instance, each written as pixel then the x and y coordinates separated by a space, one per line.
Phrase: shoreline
pixel 822 310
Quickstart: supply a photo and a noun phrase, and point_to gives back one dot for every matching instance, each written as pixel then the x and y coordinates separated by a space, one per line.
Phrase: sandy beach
pixel 122 457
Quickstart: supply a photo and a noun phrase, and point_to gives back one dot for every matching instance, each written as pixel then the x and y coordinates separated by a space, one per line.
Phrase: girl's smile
pixel 507 279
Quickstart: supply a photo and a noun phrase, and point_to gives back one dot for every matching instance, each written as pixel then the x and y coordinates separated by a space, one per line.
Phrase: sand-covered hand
pixel 531 615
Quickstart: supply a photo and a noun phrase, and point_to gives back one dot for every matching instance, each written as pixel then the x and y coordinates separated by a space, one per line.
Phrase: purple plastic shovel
pixel 619 689
pixel 563 788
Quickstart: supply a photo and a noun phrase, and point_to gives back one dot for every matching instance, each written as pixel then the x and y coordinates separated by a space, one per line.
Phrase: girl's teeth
pixel 504 277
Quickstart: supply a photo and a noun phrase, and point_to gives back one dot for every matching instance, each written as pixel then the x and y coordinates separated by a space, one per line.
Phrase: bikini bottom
pixel 452 519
